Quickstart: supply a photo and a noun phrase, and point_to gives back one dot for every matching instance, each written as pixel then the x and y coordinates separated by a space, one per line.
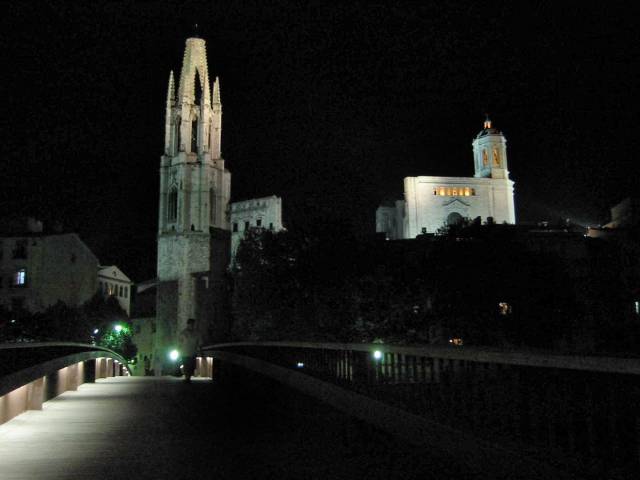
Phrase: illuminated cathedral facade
pixel 431 203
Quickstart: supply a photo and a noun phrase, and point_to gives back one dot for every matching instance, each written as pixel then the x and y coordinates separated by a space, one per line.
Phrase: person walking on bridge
pixel 189 344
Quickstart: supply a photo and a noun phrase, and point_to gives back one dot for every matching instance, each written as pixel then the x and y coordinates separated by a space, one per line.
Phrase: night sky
pixel 329 107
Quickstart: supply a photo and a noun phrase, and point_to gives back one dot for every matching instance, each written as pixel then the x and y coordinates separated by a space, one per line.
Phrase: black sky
pixel 328 106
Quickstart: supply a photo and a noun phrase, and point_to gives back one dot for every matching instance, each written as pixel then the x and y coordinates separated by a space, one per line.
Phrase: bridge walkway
pixel 157 428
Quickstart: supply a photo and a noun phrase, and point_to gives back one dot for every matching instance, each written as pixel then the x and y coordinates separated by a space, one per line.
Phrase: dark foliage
pixel 564 294
pixel 61 322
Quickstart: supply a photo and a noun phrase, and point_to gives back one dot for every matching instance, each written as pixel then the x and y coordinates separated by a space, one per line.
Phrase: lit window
pixel 20 278
pixel 454 192
pixel 467 191
pixel 504 308
pixel 442 192
pixel 496 158
pixel 636 305
pixel 485 158
pixel 458 342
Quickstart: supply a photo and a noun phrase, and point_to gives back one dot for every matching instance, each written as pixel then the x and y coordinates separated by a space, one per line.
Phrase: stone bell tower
pixel 490 152
pixel 193 225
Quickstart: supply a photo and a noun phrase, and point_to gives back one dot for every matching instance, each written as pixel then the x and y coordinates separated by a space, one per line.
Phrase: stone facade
pixel 112 282
pixel 37 270
pixel 265 212
pixel 193 226
pixel 433 202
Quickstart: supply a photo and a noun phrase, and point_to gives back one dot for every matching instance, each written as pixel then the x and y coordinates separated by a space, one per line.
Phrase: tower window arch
pixel 194 135
pixel 177 134
pixel 212 206
pixel 496 157
pixel 197 88
pixel 485 158
pixel 172 205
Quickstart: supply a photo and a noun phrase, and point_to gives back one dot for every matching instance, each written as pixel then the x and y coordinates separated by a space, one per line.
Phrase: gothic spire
pixel 194 60
pixel 171 91
pixel 216 91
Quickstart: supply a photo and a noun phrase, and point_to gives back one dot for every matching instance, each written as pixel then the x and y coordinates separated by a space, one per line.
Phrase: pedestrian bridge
pixel 288 410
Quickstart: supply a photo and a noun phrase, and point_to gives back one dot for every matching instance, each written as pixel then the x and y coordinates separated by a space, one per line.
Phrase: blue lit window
pixel 20 278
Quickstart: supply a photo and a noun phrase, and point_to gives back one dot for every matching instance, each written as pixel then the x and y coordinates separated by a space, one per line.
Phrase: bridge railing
pixel 577 413
pixel 32 373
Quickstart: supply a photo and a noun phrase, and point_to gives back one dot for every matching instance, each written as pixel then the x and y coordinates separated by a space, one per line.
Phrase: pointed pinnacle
pixel 216 90
pixel 171 91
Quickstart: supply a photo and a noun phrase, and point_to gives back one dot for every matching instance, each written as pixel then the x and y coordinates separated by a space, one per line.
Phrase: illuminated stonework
pixel 265 212
pixel 432 202
pixel 193 224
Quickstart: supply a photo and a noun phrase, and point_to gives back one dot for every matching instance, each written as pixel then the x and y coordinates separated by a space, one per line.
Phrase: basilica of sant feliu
pixel 433 202
pixel 196 222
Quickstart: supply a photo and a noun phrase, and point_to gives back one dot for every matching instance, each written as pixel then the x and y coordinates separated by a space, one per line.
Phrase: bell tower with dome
pixel 490 152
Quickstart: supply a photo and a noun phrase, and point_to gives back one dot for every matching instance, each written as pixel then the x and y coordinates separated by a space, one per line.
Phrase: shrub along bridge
pixel 289 409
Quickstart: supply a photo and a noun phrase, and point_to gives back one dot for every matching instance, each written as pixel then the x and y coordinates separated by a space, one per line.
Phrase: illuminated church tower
pixel 193 226
pixel 490 152
pixel 432 203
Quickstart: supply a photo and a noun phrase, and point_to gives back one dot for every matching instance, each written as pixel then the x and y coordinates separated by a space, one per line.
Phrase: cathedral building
pixel 433 202
pixel 193 226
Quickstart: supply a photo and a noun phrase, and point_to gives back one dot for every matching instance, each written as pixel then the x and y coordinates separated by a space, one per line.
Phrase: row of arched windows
pixel 454 191
pixel 194 135
pixel 172 206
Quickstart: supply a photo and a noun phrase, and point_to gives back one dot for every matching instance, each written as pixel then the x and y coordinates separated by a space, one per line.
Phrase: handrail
pixel 9 346
pixel 533 358
pixel 577 412
pixel 23 376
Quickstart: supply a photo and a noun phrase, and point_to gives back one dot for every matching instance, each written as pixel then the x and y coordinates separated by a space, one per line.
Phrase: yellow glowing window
pixel 496 158
pixel 485 158
pixel 454 191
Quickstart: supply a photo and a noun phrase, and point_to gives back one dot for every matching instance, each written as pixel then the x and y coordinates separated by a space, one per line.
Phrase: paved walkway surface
pixel 157 428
